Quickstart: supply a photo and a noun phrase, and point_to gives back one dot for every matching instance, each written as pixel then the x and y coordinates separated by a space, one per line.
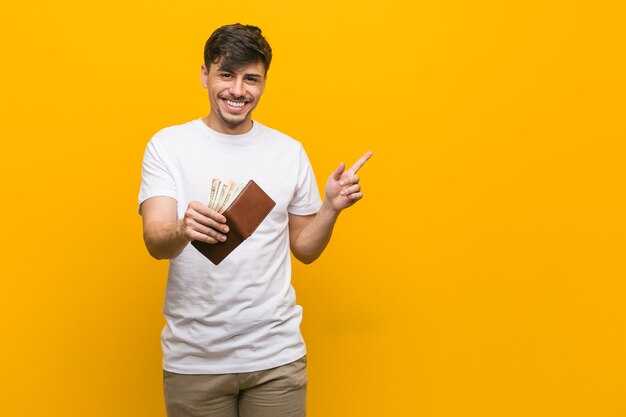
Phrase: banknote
pixel 223 193
pixel 234 192
pixel 231 185
pixel 214 186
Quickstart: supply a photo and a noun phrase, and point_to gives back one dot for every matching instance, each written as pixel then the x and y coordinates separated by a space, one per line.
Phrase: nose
pixel 237 87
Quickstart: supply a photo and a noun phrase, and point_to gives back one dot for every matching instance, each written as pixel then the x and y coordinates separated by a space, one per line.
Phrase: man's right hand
pixel 202 223
pixel 166 237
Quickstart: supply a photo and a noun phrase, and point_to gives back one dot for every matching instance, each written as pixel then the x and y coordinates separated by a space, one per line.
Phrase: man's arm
pixel 309 235
pixel 165 237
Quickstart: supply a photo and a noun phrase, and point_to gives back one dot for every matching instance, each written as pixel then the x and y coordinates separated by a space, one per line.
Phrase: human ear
pixel 204 75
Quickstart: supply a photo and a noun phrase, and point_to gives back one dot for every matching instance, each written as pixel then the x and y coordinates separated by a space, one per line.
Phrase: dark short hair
pixel 237 46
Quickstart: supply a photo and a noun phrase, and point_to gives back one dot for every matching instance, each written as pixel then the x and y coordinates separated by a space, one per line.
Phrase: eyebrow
pixel 251 74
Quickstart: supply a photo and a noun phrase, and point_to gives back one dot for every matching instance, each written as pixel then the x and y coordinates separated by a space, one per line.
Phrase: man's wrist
pixel 179 232
pixel 328 210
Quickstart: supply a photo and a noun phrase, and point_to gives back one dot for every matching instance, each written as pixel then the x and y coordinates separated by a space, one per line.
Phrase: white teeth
pixel 234 104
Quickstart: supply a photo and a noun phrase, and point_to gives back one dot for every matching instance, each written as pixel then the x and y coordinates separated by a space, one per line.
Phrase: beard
pixel 229 121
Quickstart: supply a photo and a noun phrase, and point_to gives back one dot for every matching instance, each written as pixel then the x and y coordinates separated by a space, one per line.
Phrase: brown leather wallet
pixel 243 217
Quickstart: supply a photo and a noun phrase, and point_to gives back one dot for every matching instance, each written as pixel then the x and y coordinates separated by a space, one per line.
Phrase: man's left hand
pixel 342 187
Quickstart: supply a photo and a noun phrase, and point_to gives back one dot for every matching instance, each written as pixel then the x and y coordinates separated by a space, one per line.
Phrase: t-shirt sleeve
pixel 156 178
pixel 306 199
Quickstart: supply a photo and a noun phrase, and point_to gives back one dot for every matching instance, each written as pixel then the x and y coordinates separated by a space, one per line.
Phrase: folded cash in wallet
pixel 244 207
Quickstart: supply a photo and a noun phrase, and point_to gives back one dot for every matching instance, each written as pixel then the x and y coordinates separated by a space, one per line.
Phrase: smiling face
pixel 233 95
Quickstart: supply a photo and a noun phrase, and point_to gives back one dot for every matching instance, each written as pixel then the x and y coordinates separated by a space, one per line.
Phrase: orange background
pixel 481 275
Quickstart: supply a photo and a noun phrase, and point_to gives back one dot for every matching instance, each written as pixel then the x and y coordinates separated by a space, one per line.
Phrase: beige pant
pixel 276 392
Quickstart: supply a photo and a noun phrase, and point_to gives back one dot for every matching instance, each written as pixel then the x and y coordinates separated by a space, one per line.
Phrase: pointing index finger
pixel 358 164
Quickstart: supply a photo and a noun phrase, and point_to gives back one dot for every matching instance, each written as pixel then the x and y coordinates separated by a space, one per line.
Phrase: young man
pixel 232 344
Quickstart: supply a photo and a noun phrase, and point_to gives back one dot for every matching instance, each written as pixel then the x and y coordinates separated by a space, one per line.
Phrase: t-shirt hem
pixel 232 369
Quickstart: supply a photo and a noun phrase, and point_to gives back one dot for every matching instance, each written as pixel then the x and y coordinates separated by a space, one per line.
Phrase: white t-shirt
pixel 241 315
